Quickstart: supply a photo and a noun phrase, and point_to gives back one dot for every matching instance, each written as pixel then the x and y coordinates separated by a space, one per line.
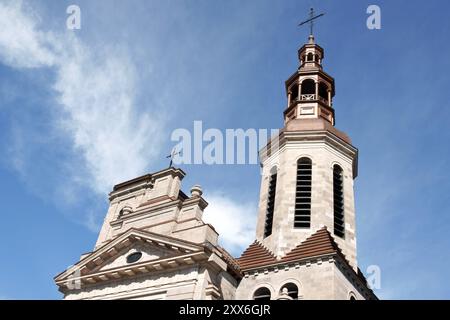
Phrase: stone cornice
pixel 143 182
pixel 147 210
pixel 326 136
pixel 135 269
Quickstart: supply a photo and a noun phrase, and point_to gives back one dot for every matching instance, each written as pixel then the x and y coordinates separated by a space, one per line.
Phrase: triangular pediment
pixel 155 252
pixel 138 251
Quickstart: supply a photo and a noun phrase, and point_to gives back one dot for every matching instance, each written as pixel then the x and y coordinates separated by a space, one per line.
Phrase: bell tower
pixel 310 91
pixel 309 168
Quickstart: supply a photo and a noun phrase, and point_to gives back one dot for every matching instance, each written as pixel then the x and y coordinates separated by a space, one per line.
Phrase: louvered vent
pixel 302 218
pixel 338 197
pixel 270 205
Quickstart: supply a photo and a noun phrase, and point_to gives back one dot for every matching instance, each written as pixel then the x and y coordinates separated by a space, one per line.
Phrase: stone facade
pixel 325 150
pixel 154 244
pixel 321 279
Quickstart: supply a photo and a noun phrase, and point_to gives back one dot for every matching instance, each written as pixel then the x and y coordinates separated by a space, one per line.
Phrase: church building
pixel 154 244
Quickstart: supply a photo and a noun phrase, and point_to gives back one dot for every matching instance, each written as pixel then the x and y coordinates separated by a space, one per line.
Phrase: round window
pixel 134 257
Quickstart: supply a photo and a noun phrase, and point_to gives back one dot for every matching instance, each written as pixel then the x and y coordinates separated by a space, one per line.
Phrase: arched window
pixel 294 92
pixel 310 56
pixel 302 216
pixel 292 290
pixel 352 298
pixel 308 86
pixel 262 293
pixel 323 91
pixel 338 201
pixel 270 202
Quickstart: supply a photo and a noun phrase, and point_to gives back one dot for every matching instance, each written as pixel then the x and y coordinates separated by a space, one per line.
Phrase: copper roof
pixel 318 244
pixel 256 255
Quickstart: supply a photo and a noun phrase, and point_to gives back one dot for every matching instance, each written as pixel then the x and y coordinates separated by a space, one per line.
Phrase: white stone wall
pixel 321 279
pixel 315 281
pixel 346 285
pixel 175 284
pixel 186 283
pixel 323 155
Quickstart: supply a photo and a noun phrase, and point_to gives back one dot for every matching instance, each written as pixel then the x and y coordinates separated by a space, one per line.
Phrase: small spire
pixel 311 39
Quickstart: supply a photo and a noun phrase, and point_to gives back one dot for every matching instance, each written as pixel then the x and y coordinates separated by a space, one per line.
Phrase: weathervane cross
pixel 311 19
pixel 172 155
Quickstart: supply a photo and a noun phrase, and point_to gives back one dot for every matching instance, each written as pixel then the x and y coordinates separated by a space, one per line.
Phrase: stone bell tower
pixel 305 246
pixel 309 168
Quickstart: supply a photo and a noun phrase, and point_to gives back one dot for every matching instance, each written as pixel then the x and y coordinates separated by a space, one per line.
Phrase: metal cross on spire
pixel 172 155
pixel 311 19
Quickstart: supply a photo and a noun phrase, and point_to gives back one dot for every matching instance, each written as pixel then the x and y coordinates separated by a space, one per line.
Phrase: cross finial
pixel 311 19
pixel 172 155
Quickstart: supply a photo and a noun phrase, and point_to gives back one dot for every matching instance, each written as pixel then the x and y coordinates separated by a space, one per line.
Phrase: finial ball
pixel 196 191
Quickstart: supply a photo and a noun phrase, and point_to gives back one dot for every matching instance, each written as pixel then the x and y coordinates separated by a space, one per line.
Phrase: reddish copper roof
pixel 256 255
pixel 319 243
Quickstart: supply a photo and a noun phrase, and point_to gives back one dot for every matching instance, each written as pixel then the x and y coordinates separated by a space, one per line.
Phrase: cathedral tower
pixel 305 245
pixel 308 172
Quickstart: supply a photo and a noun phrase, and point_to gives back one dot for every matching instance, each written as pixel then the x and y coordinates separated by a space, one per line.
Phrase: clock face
pixel 133 257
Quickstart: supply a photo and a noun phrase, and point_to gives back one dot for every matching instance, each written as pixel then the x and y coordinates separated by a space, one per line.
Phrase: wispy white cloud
pixel 22 45
pixel 234 221
pixel 96 92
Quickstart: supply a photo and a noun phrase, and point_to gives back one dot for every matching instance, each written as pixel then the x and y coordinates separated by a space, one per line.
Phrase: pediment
pixel 157 252
pixel 142 251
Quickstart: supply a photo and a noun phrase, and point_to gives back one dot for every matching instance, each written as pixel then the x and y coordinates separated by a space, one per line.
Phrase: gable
pixel 158 252
pixel 256 255
pixel 147 252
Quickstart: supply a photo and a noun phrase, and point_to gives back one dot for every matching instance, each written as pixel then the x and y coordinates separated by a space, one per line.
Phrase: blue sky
pixel 82 110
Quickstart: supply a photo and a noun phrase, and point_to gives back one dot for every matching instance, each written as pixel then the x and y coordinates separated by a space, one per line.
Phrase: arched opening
pixel 294 92
pixel 308 89
pixel 338 201
pixel 352 297
pixel 310 57
pixel 302 216
pixel 270 202
pixel 291 289
pixel 323 91
pixel 262 293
